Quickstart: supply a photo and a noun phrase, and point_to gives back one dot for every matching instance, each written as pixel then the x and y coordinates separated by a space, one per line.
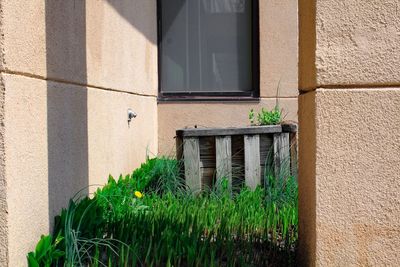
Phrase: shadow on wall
pixel 66 103
pixel 67 95
pixel 136 12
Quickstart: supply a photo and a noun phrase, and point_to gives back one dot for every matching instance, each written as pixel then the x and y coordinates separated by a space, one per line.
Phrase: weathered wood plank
pixel 179 147
pixel 281 155
pixel 207 160
pixel 223 156
pixel 237 162
pixel 252 160
pixel 191 155
pixel 207 175
pixel 229 131
pixel 207 151
pixel 289 128
pixel 266 155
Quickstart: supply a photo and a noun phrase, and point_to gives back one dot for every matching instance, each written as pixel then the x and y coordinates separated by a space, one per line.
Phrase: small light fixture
pixel 131 115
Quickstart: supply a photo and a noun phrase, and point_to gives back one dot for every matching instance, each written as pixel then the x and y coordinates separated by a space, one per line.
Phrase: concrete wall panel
pixel 357 165
pixel 121 42
pixel 358 42
pixel 109 44
pixel 278 48
pixel 349 43
pixel 24 36
pixel 26 165
pixel 114 146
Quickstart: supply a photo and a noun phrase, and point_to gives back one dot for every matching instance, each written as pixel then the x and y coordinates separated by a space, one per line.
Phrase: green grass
pixel 209 230
pixel 169 226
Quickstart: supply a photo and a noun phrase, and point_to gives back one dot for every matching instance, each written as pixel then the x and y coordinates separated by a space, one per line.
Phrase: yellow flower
pixel 138 194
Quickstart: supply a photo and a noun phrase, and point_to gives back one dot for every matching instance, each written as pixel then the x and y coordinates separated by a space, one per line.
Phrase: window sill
pixel 202 99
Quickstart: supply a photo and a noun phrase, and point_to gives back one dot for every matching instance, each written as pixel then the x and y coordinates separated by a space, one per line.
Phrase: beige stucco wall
pixel 349 177
pixel 349 43
pixel 70 70
pixel 278 65
pixel 349 200
pixel 53 38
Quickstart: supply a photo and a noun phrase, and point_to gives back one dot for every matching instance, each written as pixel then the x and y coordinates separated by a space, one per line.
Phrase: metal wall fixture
pixel 131 115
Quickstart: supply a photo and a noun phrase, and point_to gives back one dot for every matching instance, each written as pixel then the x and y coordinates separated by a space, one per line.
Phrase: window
pixel 208 48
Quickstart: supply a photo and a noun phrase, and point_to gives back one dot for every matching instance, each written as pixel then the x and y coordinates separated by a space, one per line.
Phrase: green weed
pixel 46 252
pixel 266 117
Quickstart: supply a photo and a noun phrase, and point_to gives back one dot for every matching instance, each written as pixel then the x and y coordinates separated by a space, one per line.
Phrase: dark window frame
pixel 216 96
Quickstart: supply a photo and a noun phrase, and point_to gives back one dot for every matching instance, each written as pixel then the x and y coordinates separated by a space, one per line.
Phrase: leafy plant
pixel 266 117
pixel 46 252
pixel 83 228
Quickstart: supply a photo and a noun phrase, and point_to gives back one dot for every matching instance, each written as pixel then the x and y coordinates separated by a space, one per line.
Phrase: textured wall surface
pixel 27 165
pixel 358 43
pixel 278 67
pixel 3 186
pixel 357 166
pixel 349 200
pixel 278 48
pixel 122 45
pixel 114 146
pixel 51 38
pixel 70 71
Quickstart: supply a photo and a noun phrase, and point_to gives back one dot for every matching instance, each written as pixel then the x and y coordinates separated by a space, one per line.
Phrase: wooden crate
pixel 241 155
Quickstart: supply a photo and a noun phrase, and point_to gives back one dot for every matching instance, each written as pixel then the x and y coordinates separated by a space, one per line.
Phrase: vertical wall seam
pixel 3 181
pixel 3 184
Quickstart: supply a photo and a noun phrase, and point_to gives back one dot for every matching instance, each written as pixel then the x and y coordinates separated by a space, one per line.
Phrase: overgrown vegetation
pixel 148 218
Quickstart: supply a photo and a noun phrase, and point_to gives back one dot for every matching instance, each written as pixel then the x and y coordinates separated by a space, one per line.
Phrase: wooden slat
pixel 265 147
pixel 207 160
pixel 252 160
pixel 207 175
pixel 223 155
pixel 289 128
pixel 281 155
pixel 237 162
pixel 179 148
pixel 191 154
pixel 229 131
pixel 266 155
pixel 207 151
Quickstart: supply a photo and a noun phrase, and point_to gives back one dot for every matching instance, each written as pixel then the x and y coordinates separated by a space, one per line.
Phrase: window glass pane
pixel 206 46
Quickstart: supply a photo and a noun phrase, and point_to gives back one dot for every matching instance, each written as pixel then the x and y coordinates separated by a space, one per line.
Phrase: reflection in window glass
pixel 206 46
